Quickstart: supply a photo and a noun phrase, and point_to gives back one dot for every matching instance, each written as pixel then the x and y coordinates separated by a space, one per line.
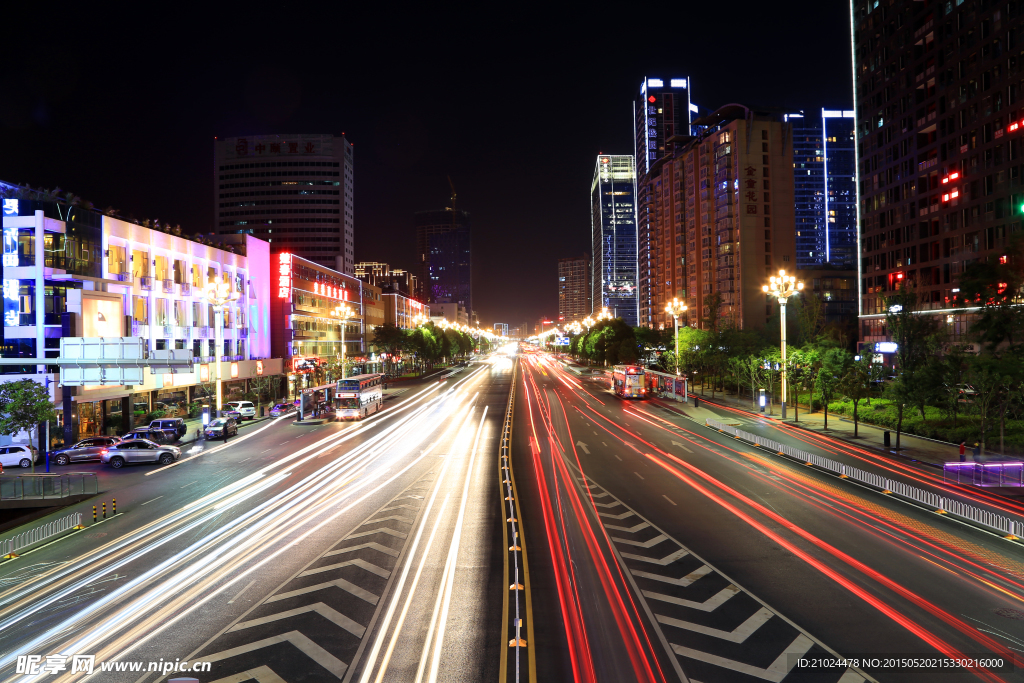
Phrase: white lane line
pixel 189 484
pixel 150 501
pixel 617 457
pixel 668 499
pixel 247 587
pixel 638 474
pixel 266 451
pixel 213 450
pixel 244 459
pixel 604 444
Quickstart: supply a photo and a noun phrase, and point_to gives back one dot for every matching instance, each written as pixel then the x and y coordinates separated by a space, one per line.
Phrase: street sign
pixel 181 361
pixel 561 341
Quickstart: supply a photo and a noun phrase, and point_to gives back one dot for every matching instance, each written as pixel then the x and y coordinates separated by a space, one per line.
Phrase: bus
pixel 628 381
pixel 358 396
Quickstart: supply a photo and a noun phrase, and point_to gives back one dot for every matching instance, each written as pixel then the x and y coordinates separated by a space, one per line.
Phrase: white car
pixel 17 455
pixel 245 408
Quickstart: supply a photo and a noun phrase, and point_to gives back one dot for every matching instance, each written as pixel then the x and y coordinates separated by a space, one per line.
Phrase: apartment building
pixel 574 291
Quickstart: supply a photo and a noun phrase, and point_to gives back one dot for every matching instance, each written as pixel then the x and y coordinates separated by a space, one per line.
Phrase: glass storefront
pixel 90 419
pixel 114 423
pixel 173 401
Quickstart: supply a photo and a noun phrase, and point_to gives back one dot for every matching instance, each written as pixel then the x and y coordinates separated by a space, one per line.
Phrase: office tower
pixel 661 113
pixel 939 130
pixel 444 251
pixel 574 290
pixel 294 191
pixel 613 230
pixel 387 278
pixel 500 329
pixel 825 186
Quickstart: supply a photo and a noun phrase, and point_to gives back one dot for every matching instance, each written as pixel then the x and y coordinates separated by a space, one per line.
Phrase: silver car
pixel 282 409
pixel 86 449
pixel 139 450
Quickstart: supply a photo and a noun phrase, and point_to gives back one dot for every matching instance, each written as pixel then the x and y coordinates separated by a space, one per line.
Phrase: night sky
pixel 123 109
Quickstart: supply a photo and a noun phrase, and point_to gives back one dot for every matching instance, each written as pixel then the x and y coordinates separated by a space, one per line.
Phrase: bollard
pixel 113 507
pixel 93 514
pixel 104 510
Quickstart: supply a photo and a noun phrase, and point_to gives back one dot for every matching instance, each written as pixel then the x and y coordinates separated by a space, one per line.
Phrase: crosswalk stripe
pixel 775 672
pixel 667 560
pixel 642 544
pixel 737 635
pixel 372 546
pixel 307 646
pixel 260 674
pixel 337 583
pixel 708 605
pixel 318 607
pixel 362 564
pixel 383 530
pixel 697 573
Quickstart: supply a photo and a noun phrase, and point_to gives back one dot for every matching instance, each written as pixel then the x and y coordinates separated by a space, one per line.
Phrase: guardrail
pixel 48 486
pixel 11 546
pixel 985 474
pixel 1004 525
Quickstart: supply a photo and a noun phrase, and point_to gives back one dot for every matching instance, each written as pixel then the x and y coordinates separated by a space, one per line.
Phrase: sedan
pixel 85 450
pixel 232 413
pixel 282 409
pixel 222 428
pixel 139 450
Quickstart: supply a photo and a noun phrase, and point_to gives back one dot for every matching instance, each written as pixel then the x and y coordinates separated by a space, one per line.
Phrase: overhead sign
pixel 77 376
pixel 561 341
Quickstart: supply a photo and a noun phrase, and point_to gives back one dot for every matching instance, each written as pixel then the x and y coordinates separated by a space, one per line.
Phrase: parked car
pixel 245 408
pixel 18 455
pixel 155 435
pixel 282 409
pixel 228 411
pixel 222 428
pixel 85 450
pixel 173 427
pixel 139 450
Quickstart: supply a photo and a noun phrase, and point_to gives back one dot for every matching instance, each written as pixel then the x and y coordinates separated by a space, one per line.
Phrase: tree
pixel 997 287
pixel 713 304
pixel 391 340
pixel 856 385
pixel 954 366
pixel 915 338
pixel 833 365
pixel 749 370
pixel 25 404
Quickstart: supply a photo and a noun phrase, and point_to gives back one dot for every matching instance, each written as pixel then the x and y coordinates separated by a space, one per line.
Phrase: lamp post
pixel 783 287
pixel 675 308
pixel 218 294
pixel 344 312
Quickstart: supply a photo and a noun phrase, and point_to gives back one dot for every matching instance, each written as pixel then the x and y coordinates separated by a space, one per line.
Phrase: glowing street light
pixel 219 294
pixel 343 312
pixel 605 314
pixel 783 287
pixel 675 308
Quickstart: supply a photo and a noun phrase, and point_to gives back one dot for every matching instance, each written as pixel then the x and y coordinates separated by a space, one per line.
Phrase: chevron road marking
pixel 260 674
pixel 629 529
pixel 337 583
pixel 385 530
pixel 608 515
pixel 396 507
pixel 318 607
pixel 664 562
pixel 642 544
pixel 384 519
pixel 372 546
pixel 697 573
pixel 737 635
pixel 307 646
pixel 362 564
pixel 708 605
pixel 775 672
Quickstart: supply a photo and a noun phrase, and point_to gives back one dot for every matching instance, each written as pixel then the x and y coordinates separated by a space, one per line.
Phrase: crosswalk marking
pixel 775 672
pixel 737 635
pixel 337 583
pixel 362 564
pixel 307 646
pixel 697 573
pixel 318 607
pixel 708 605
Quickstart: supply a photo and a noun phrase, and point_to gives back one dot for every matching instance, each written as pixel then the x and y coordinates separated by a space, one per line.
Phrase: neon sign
pixel 284 277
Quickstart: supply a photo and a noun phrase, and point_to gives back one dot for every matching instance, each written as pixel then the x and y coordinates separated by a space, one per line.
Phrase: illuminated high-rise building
pixel 661 113
pixel 574 290
pixel 613 230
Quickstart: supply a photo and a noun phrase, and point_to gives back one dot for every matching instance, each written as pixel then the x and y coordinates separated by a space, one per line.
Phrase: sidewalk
pixel 915 448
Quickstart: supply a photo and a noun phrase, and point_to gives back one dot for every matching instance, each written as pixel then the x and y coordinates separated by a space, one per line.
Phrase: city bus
pixel 628 381
pixel 359 396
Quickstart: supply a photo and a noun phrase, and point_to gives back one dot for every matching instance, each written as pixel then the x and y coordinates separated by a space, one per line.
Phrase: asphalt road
pixel 331 553
pixel 662 550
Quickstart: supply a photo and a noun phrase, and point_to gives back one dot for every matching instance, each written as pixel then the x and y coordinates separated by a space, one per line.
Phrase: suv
pixel 17 455
pixel 173 427
pixel 86 449
pixel 139 450
pixel 157 435
pixel 245 408
pixel 282 409
pixel 222 427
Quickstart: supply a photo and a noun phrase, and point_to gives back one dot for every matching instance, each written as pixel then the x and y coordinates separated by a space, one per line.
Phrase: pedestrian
pixel 977 452
pixel 963 445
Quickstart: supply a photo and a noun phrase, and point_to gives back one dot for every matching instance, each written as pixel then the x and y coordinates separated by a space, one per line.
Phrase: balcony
pixel 168 286
pixel 186 289
pixel 122 277
pixel 168 330
pixel 146 283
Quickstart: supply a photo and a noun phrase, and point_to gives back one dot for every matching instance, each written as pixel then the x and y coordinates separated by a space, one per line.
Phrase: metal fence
pixel 47 486
pixel 23 540
pixel 985 474
pixel 1000 523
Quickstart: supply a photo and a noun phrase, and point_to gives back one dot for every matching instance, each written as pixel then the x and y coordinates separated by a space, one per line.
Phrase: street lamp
pixel 218 294
pixel 605 314
pixel 783 287
pixel 344 312
pixel 675 308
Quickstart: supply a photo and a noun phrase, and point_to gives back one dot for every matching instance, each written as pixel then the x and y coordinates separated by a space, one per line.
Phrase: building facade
pixel 574 289
pixel 936 90
pixel 293 191
pixel 403 311
pixel 452 312
pixel 661 112
pixel 500 329
pixel 613 234
pixel 387 278
pixel 70 272
pixel 444 250
pixel 825 184
pixel 722 211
